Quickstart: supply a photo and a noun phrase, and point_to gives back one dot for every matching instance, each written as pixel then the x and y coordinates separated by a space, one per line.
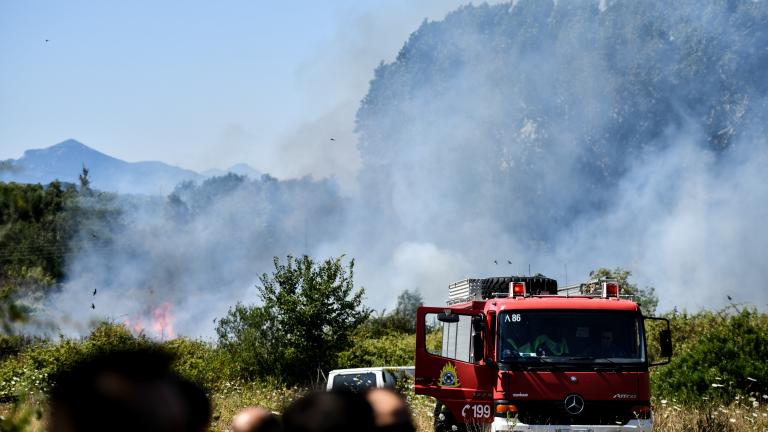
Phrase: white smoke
pixel 502 140
pixel 578 136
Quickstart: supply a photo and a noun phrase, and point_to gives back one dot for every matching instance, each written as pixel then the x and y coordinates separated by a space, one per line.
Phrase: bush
pixel 390 350
pixel 201 362
pixel 718 355
pixel 401 320
pixel 307 318
pixel 29 371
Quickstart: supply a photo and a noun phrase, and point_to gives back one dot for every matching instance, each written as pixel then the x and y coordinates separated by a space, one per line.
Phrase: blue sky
pixel 199 84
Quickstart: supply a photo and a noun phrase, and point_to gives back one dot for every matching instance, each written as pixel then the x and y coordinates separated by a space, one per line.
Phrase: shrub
pixel 307 318
pixel 718 356
pixel 401 320
pixel 29 371
pixel 201 362
pixel 389 350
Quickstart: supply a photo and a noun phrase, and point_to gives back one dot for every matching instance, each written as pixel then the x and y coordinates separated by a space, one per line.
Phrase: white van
pixel 361 379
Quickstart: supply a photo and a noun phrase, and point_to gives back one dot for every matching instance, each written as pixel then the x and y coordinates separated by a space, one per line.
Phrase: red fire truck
pixel 519 354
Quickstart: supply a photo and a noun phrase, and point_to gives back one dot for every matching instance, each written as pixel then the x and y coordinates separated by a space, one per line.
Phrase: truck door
pixel 450 348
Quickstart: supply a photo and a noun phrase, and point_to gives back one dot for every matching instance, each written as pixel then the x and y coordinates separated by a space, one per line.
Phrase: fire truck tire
pixel 444 420
pixel 495 285
pixel 535 285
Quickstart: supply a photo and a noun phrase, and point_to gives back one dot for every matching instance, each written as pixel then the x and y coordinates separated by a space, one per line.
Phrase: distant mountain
pixel 239 169
pixel 246 170
pixel 65 161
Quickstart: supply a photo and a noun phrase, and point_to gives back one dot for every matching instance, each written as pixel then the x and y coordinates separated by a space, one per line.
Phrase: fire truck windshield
pixel 591 336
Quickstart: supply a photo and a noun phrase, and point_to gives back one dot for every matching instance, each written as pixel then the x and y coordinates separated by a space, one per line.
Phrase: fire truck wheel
pixel 444 421
pixel 535 285
pixel 495 285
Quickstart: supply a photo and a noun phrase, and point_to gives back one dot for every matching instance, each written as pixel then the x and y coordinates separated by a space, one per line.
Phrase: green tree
pixel 21 290
pixel 85 182
pixel 35 226
pixel 407 303
pixel 646 297
pixel 308 314
pixel 7 166
pixel 249 336
pixel 401 320
pixel 35 231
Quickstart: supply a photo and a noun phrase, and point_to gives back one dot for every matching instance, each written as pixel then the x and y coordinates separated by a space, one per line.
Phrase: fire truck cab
pixel 519 354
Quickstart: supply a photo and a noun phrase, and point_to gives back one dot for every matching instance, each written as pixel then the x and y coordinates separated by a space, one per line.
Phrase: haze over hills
pixel 566 134
pixel 239 169
pixel 65 161
pixel 533 136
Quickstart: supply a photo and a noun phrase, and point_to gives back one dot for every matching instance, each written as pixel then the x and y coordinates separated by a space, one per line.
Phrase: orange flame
pixel 162 320
pixel 161 323
pixel 134 324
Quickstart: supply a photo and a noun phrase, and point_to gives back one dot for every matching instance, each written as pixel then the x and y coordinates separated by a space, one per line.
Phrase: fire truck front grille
pixel 595 413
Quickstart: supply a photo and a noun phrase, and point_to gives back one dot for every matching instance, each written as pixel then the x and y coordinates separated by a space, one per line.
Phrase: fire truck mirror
pixel 478 348
pixel 478 324
pixel 490 363
pixel 448 317
pixel 665 340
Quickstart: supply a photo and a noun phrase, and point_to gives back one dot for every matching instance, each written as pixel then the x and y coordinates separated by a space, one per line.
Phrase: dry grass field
pixel 743 414
pixel 748 414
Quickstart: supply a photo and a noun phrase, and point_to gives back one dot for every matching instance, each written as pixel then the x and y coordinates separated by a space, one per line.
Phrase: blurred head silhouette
pixel 329 411
pixel 255 419
pixel 126 390
pixel 391 412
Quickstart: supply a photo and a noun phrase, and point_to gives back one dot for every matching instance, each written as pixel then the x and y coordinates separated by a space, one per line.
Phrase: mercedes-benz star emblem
pixel 574 404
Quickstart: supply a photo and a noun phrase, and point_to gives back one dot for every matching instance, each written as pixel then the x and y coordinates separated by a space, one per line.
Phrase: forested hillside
pixel 548 128
pixel 37 228
pixel 189 255
pixel 552 104
pixel 557 137
pixel 717 376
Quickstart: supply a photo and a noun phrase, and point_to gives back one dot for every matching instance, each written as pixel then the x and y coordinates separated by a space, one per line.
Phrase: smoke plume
pixel 576 135
pixel 541 135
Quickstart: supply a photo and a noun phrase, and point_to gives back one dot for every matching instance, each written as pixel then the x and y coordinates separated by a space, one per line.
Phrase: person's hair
pixel 329 411
pixel 391 411
pixel 256 419
pixel 126 390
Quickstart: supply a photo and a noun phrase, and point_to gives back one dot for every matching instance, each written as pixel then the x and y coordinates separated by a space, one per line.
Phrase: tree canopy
pixel 646 297
pixel 307 315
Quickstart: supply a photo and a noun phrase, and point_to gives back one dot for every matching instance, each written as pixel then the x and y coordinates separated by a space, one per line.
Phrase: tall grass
pixel 717 381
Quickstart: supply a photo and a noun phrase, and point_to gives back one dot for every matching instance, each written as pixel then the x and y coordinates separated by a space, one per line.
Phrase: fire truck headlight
pixel 641 411
pixel 506 408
